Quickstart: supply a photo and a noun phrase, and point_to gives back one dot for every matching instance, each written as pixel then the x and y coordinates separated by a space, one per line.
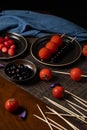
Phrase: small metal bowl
pixel 20 70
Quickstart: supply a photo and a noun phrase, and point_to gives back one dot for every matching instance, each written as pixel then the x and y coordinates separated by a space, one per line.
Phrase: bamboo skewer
pixel 56 123
pixel 55 126
pixel 44 117
pixel 61 107
pixel 82 118
pixel 82 115
pixel 70 124
pixel 68 115
pixel 76 105
pixel 59 127
pixel 80 102
pixel 66 73
pixel 73 95
pixel 62 35
pixel 64 108
pixel 73 39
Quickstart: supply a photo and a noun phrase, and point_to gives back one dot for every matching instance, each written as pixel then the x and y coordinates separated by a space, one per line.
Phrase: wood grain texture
pixel 10 121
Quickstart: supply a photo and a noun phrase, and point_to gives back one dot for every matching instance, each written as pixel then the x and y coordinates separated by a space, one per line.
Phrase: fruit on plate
pixel 51 46
pixel 57 39
pixel 18 72
pixel 58 91
pixel 44 53
pixel 63 50
pixel 45 74
pixel 4 49
pixel 11 104
pixel 76 74
pixel 7 45
pixel 84 50
pixel 11 51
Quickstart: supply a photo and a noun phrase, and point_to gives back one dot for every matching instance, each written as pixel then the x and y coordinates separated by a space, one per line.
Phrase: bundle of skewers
pixel 75 113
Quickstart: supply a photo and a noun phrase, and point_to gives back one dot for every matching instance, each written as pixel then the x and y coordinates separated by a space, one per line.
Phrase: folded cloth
pixel 29 23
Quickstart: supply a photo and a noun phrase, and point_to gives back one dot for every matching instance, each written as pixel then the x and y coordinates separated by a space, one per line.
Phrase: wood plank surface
pixel 11 121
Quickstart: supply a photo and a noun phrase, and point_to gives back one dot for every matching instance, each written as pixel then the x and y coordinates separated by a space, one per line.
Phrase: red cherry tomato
pixel 10 41
pixel 76 73
pixel 1 45
pixel 13 46
pixel 58 92
pixel 44 53
pixel 4 49
pixel 45 74
pixel 6 38
pixel 11 51
pixel 52 47
pixel 7 44
pixel 84 50
pixel 57 39
pixel 11 104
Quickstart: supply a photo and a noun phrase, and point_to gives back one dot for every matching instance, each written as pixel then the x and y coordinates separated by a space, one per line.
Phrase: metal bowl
pixel 20 70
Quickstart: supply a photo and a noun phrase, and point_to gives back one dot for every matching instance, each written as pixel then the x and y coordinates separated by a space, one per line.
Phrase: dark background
pixel 75 11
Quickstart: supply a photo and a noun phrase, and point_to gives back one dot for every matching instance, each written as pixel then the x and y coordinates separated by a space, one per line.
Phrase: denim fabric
pixel 29 23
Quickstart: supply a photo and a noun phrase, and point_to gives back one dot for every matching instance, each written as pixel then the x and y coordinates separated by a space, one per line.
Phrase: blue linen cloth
pixel 29 23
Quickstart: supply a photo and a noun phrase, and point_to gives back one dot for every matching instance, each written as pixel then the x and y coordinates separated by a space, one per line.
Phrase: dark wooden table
pixel 31 93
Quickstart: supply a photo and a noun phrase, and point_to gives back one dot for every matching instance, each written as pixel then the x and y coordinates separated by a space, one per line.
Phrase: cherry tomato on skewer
pixel 76 74
pixel 57 39
pixel 44 53
pixel 45 74
pixel 84 50
pixel 58 92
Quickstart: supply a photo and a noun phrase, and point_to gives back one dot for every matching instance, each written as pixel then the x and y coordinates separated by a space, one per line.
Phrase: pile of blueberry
pixel 18 71
pixel 63 51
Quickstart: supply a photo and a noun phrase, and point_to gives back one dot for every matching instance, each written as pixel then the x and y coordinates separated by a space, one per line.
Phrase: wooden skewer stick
pixel 69 123
pixel 80 102
pixel 82 117
pixel 62 35
pixel 61 72
pixel 63 128
pixel 76 110
pixel 44 117
pixel 76 105
pixel 73 95
pixel 67 115
pixel 73 39
pixel 55 126
pixel 63 108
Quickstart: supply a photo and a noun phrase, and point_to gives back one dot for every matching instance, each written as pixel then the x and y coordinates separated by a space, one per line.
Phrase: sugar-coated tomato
pixel 51 46
pixel 45 74
pixel 11 104
pixel 76 74
pixel 44 53
pixel 58 91
pixel 57 39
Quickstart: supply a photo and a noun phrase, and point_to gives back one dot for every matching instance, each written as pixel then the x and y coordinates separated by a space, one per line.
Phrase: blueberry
pixel 18 71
